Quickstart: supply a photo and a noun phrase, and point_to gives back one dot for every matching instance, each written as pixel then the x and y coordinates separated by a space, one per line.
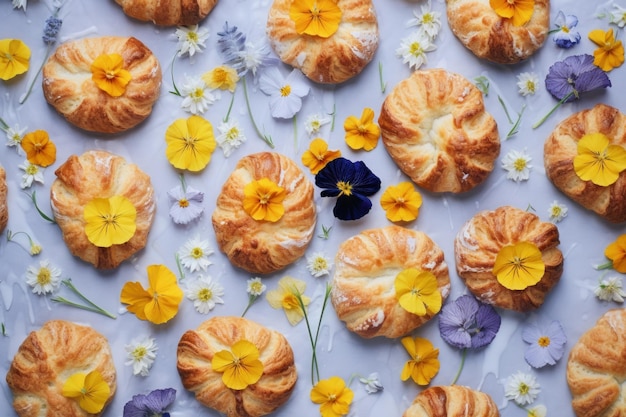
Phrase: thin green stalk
pixel 458 373
pixel 251 300
pixel 563 100
pixel 32 84
pixel 267 139
pixel 314 366
pixel 90 305
pixel 607 265
pixel 383 84
pixel 181 273
pixel 506 111
pixel 3 125
pixel 515 127
pixel 334 113
pixel 33 197
pixel 175 92
pixel 230 107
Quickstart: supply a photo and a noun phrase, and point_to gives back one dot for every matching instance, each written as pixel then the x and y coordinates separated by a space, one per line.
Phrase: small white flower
pixel 318 264
pixel 191 39
pixel 537 411
pixel 194 254
pixel 254 56
pixel 32 173
pixel 285 93
pixel 557 211
pixel 372 384
pixel 610 289
pixel 517 164
pixel 205 293
pixel 231 136
pixel 19 3
pixel 314 123
pixel 522 388
pixel 141 353
pixel 618 16
pixel 43 279
pixel 427 21
pixel 413 49
pixel 14 137
pixel 527 82
pixel 196 96
pixel 255 287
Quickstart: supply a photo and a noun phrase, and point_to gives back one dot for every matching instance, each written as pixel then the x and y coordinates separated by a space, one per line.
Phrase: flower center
pixel 290 302
pixel 523 388
pixel 416 49
pixel 285 90
pixel 192 37
pixel 332 397
pixel 109 74
pixel 544 341
pixel 197 94
pixel 255 287
pixel 511 2
pixel 205 294
pixel 428 18
pixel 344 187
pixel 565 29
pixel 530 86
pixel 183 203
pixel 139 353
pixel 519 164
pixel 43 276
pixel 232 133
pixel 32 169
pixel 197 253
pixel 320 264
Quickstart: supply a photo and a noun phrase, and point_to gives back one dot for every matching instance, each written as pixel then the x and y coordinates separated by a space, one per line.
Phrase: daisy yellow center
pixel 192 37
pixel 315 125
pixel 256 287
pixel 32 169
pixel 416 49
pixel 556 211
pixel 205 294
pixel 139 352
pixel 344 187
pixel 544 341
pixel 285 90
pixel 428 18
pixel 530 86
pixel 320 264
pixel 197 253
pixel 197 94
pixel 519 164
pixel 44 276
pixel 232 133
pixel 523 388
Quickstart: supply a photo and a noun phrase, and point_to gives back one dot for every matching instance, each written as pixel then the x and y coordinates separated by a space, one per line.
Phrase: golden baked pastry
pixel 100 174
pixel 481 238
pixel 560 149
pixel 168 12
pixel 4 207
pixel 262 247
pixel 596 368
pixel 495 38
pixel 366 266
pixel 196 349
pixel 68 87
pixel 435 127
pixel 330 60
pixel 44 361
pixel 452 401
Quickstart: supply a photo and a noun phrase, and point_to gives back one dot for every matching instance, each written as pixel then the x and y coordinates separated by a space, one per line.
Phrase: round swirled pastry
pixel 452 401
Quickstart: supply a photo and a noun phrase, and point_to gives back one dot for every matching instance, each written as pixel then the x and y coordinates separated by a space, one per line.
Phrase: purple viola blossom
pixel 564 36
pixel 151 405
pixel 186 204
pixel 468 323
pixel 576 74
pixel 351 182
pixel 547 343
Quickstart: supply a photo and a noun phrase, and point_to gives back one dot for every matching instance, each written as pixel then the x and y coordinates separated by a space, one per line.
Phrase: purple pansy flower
pixel 547 343
pixel 468 323
pixel 186 204
pixel 564 37
pixel 151 405
pixel 576 74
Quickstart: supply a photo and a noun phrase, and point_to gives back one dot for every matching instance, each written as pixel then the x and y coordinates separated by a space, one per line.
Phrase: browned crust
pixel 168 12
pixel 452 401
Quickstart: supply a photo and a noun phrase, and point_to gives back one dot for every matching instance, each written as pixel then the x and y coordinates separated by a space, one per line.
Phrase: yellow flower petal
pixel 616 252
pixel 333 396
pixel 424 363
pixel 598 161
pixel 110 221
pixel 519 266
pixel 222 77
pixel 285 297
pixel 263 200
pixel 362 133
pixel 136 297
pixel 401 202
pixel 318 156
pixel 40 150
pixel 108 73
pixel 14 58
pixel 190 143
pixel 519 11
pixel 73 385
pixel 610 52
pixel 240 366
pixel 315 17
pixel 91 391
pixel 417 292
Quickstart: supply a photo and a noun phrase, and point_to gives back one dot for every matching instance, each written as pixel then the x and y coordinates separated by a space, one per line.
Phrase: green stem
pixel 506 111
pixel 515 127
pixel 332 124
pixel 3 125
pixel 607 265
pixel 315 373
pixel 90 307
pixel 267 139
pixel 175 92
pixel 230 107
pixel 458 373
pixel 33 197
pixel 540 122
pixel 251 300
pixel 32 84
pixel 180 267
pixel 383 84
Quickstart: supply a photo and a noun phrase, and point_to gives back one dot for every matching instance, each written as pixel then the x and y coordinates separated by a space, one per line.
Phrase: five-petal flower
pixel 240 366
pixel 417 292
pixel 190 143
pixel 110 221
pixel 598 160
pixel 424 362
pixel 14 58
pixel 90 390
pixel 519 266
pixel 333 396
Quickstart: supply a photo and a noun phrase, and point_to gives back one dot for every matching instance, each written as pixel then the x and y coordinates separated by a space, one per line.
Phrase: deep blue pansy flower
pixel 564 36
pixel 547 343
pixel 468 323
pixel 351 182
pixel 151 405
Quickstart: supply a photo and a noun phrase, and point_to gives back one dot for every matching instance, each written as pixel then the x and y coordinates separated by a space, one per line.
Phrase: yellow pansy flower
pixel 610 52
pixel 110 221
pixel 315 17
pixel 190 143
pixel 333 396
pixel 222 77
pixel 362 133
pixel 616 252
pixel 108 72
pixel 401 202
pixel 286 297
pixel 519 266
pixel 424 362
pixel 417 292
pixel 519 11
pixel 240 366
pixel 263 200
pixel 90 390
pixel 598 161
pixel 317 156
pixel 14 58
pixel 40 150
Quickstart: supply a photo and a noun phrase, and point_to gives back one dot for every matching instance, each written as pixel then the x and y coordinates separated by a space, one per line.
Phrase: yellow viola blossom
pixel 333 396
pixel 263 200
pixel 286 297
pixel 240 366
pixel 616 252
pixel 401 202
pixel 159 302
pixel 317 156
pixel 110 221
pixel 519 266
pixel 40 150
pixel 108 72
pixel 417 292
pixel 315 17
pixel 14 58
pixel 190 143
pixel 90 390
pixel 222 77
pixel 610 52
pixel 362 133
pixel 519 11
pixel 598 161
pixel 424 362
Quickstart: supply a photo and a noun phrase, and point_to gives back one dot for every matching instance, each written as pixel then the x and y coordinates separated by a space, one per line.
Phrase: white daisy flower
pixel 205 293
pixel 20 4
pixel 522 388
pixel 314 123
pixel 618 16
pixel 557 211
pixel 191 39
pixel 517 164
pixel 413 49
pixel 196 96
pixel 231 136
pixel 194 254
pixel 285 93
pixel 427 21
pixel 32 173
pixel 141 353
pixel 527 82
pixel 537 411
pixel 318 264
pixel 255 287
pixel 45 278
pixel 14 137
pixel 372 384
pixel 610 289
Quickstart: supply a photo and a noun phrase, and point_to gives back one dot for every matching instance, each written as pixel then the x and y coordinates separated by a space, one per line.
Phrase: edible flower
pixel 285 93
pixel 522 388
pixel 333 396
pixel 315 17
pixel 190 143
pixel 317 156
pixel 527 83
pixel 108 72
pixel 255 288
pixel 263 200
pixel 616 252
pixel 40 150
pixel 286 297
pixel 191 39
pixel 424 362
pixel 564 36
pixel 426 20
pixel 159 302
pixel 417 292
pixel 413 49
pixel 31 173
pixel 110 221
pixel 547 343
pixel 610 289
pixel 468 323
pixel 557 211
pixel 14 58
pixel 517 164
pixel 401 202
pixel 362 133
pixel 318 264
pixel 186 203
pixel 20 4
pixel 242 54
pixel 222 77
pixel 240 366
pixel 617 16
pixel 372 383
pixel 205 293
pixel 151 405
pixel 598 161
pixel 194 254
pixel 90 390
pixel 610 52
pixel 519 11
pixel 231 136
pixel 195 94
pixel 141 353
pixel 43 279
pixel 519 266
pixel 351 182
pixel 538 410
pixel 34 247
